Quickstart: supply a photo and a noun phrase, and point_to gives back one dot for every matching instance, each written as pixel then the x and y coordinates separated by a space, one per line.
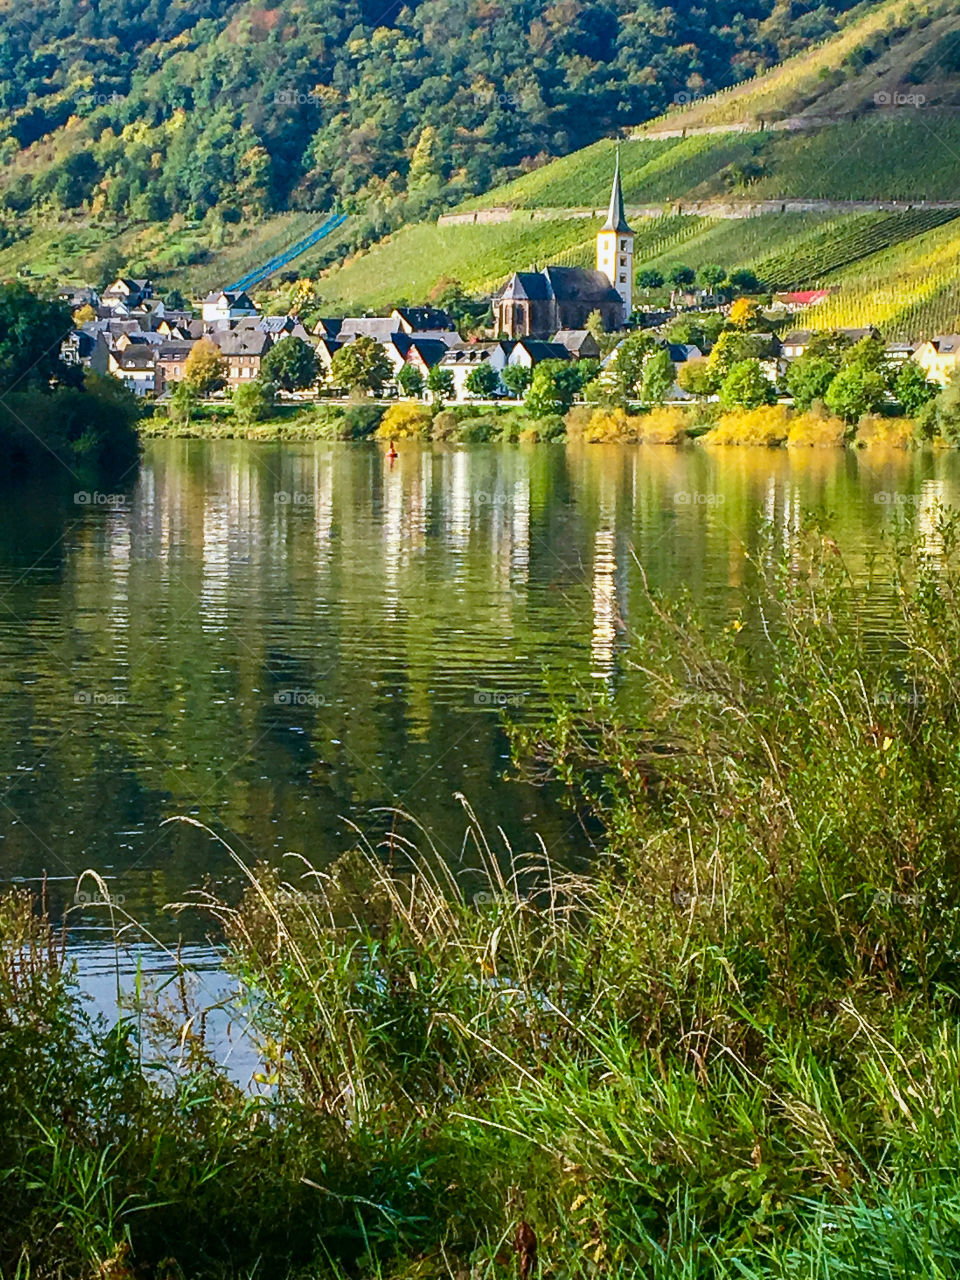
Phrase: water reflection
pixel 277 640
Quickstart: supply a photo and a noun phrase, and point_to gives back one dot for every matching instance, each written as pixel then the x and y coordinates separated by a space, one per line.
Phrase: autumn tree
pixel 205 369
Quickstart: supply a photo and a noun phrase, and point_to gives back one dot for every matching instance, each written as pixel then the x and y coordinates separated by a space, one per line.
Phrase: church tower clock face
pixel 615 246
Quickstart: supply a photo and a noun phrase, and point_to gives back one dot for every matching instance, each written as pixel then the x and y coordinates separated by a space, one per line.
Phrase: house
pixel 78 296
pixel 380 327
pixel 460 362
pixel 681 352
pixel 226 304
pixel 939 357
pixel 326 348
pixel 422 320
pixel 172 361
pixel 581 343
pixel 127 293
pixel 243 351
pixel 799 299
pixel 795 343
pixel 136 368
pixel 529 353
pixel 422 353
pixel 86 347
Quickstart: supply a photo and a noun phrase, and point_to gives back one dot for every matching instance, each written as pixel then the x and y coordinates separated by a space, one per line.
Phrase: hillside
pixel 858 148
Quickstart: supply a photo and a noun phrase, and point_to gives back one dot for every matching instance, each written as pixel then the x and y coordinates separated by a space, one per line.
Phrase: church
pixel 536 304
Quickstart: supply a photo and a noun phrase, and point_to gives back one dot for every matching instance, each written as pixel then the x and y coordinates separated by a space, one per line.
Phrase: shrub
pixel 612 425
pixel 360 420
pixel 816 430
pixel 476 430
pixel 891 433
pixel 664 426
pixel 405 422
pixel 768 425
pixel 444 425
pixel 577 420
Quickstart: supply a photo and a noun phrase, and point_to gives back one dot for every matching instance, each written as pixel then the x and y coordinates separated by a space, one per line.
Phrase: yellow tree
pixel 205 369
pixel 744 313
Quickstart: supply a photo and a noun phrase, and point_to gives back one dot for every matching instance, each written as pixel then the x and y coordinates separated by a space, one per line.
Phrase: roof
pixel 473 354
pixel 234 297
pixel 946 344
pixel 680 352
pixel 616 218
pixel 532 285
pixel 430 350
pixel 544 350
pixel 243 342
pixel 328 328
pixel 174 350
pixel 381 327
pixel 796 338
pixel 803 297
pixel 580 284
pixel 135 358
pixel 425 318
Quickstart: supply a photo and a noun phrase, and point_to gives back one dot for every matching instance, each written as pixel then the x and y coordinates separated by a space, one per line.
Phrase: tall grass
pixel 731 1048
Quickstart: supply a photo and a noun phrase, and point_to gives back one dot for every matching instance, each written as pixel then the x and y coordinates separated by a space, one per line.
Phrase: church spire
pixel 616 218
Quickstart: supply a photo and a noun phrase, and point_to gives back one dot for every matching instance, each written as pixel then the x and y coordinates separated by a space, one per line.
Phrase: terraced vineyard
pixel 842 241
pixel 655 238
pixel 908 290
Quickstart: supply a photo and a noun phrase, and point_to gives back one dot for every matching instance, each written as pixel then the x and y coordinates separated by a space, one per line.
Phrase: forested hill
pixel 145 110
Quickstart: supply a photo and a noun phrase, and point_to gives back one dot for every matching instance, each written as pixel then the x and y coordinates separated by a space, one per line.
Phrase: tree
pixel 182 403
pixel 854 392
pixel 744 313
pixel 83 315
pixel 516 378
pixel 291 364
pixel 629 359
pixel 362 365
pixel 695 377
pixel 913 388
pixel 175 301
pixel 681 277
pixel 254 401
pixel 649 278
pixel 659 376
pixel 746 386
pixel 31 331
pixel 743 281
pixel 870 355
pixel 205 368
pixel 731 347
pixel 552 388
pixel 808 378
pixel 410 381
pixel 440 383
pixel 483 380
pixel 711 277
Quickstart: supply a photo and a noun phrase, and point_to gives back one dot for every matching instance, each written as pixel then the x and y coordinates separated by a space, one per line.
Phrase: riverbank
pixel 730 1049
pixel 771 426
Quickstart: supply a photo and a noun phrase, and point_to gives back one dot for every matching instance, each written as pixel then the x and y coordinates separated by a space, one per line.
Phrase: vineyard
pixel 907 291
pixel 810 259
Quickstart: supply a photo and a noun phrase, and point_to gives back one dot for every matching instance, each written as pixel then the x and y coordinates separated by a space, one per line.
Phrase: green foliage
pixel 659 376
pixel 516 378
pixel 808 378
pixel 410 381
pixel 731 347
pixel 482 381
pixel 629 359
pixel 291 364
pixel 855 391
pixel 183 403
pixel 552 389
pixel 362 365
pixel 360 420
pixel 31 331
pixel 746 386
pixel 254 401
pixel 440 384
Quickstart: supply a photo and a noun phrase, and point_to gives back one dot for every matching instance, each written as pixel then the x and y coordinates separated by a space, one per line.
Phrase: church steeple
pixel 616 218
pixel 615 246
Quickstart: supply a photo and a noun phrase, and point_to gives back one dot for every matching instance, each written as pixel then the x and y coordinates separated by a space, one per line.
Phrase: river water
pixel 283 641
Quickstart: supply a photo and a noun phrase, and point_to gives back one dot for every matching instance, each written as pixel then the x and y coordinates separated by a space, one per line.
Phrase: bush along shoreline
pixel 729 1049
pixel 770 426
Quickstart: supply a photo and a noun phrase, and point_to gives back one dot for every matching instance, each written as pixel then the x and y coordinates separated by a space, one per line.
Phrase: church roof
pixel 616 218
pixel 580 284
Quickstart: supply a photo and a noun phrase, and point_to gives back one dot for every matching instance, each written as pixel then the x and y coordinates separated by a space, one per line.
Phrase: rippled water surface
pixel 284 640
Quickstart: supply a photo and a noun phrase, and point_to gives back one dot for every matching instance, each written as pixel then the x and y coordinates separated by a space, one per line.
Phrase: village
pixel 556 314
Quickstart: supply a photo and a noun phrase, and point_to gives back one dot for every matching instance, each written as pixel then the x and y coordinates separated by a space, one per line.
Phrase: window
pixel 623 246
pixel 623 279
pixel 623 262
